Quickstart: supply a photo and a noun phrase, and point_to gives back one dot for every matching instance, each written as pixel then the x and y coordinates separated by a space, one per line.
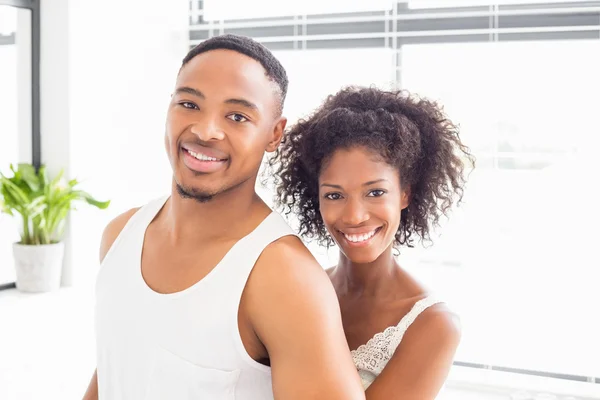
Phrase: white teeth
pixel 360 238
pixel 201 156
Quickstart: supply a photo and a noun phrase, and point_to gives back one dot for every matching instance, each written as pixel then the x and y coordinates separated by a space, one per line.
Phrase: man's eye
pixel 188 105
pixel 237 118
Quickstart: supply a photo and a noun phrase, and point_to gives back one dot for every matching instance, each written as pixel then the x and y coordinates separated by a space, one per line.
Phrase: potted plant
pixel 43 206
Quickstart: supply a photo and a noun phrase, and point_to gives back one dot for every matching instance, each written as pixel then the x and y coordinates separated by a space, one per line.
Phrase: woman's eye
pixel 187 104
pixel 376 193
pixel 333 196
pixel 237 118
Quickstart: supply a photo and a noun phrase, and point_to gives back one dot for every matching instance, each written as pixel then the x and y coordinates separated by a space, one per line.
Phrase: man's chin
pixel 200 196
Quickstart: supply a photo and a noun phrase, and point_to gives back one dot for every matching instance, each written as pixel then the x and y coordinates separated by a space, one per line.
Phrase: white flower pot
pixel 39 267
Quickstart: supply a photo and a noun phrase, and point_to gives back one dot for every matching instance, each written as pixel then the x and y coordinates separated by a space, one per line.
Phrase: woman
pixel 372 171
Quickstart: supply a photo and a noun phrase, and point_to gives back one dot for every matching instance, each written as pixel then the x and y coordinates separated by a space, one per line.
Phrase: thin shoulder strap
pixel 409 318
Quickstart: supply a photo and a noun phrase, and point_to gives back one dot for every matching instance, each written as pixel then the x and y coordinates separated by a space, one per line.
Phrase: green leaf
pixel 90 200
pixel 57 179
pixel 42 203
pixel 30 177
pixel 5 209
pixel 43 176
pixel 36 207
pixel 19 195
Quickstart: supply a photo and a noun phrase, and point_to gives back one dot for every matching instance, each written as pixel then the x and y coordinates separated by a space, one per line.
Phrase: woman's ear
pixel 405 199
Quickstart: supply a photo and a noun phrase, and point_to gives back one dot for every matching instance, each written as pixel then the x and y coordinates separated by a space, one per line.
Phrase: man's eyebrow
pixel 243 103
pixel 194 92
pixel 189 90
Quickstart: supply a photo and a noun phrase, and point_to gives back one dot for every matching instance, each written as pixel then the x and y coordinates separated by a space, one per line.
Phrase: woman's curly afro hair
pixel 410 133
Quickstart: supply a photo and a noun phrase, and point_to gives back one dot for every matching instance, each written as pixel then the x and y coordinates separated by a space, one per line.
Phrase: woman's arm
pixel 421 363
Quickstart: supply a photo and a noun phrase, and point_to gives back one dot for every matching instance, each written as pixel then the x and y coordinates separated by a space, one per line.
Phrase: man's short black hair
pixel 251 48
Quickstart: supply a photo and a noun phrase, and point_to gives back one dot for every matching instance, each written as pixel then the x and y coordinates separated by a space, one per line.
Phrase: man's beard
pixel 199 196
pixel 204 196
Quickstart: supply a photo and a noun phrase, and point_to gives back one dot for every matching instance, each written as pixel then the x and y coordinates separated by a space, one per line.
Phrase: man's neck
pixel 227 216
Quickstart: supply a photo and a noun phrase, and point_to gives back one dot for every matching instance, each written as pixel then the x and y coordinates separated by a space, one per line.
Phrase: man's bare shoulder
pixel 293 309
pixel 288 277
pixel 289 260
pixel 113 229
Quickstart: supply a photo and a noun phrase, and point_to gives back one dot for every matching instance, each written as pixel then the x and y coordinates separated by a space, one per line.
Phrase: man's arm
pixel 295 313
pixel 110 234
pixel 92 391
pixel 423 359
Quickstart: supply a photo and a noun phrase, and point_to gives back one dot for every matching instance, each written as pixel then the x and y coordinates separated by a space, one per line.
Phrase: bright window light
pixel 518 260
pixel 8 20
pixel 417 4
pixel 215 10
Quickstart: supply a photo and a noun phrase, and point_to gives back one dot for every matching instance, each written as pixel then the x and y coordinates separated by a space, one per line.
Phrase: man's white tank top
pixel 184 345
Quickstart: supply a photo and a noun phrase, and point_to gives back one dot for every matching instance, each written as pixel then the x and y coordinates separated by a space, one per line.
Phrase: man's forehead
pixel 234 73
pixel 224 62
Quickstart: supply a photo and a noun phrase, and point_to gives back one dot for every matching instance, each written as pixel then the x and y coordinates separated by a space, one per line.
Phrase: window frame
pixel 36 148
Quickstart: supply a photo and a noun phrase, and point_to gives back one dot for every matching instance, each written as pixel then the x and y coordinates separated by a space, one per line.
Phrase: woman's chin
pixel 357 256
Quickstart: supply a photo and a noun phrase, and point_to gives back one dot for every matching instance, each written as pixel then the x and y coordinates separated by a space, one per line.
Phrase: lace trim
pixel 374 355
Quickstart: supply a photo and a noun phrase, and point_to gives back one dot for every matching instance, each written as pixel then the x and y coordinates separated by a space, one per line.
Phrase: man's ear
pixel 276 135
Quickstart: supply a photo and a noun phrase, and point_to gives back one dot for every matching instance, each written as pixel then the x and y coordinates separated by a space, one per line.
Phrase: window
pixel 18 121
pixel 470 3
pixel 329 71
pixel 517 260
pixel 216 10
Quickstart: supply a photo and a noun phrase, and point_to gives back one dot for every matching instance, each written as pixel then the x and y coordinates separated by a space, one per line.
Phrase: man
pixel 207 294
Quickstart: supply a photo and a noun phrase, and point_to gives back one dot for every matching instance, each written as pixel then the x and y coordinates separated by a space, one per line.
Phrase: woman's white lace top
pixel 371 358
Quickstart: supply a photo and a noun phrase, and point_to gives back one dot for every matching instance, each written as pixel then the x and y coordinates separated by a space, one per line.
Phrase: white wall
pixel 107 71
pixel 54 98
pixel 15 117
pixel 9 150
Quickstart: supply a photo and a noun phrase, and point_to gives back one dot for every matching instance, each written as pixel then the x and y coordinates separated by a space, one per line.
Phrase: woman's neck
pixel 374 279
